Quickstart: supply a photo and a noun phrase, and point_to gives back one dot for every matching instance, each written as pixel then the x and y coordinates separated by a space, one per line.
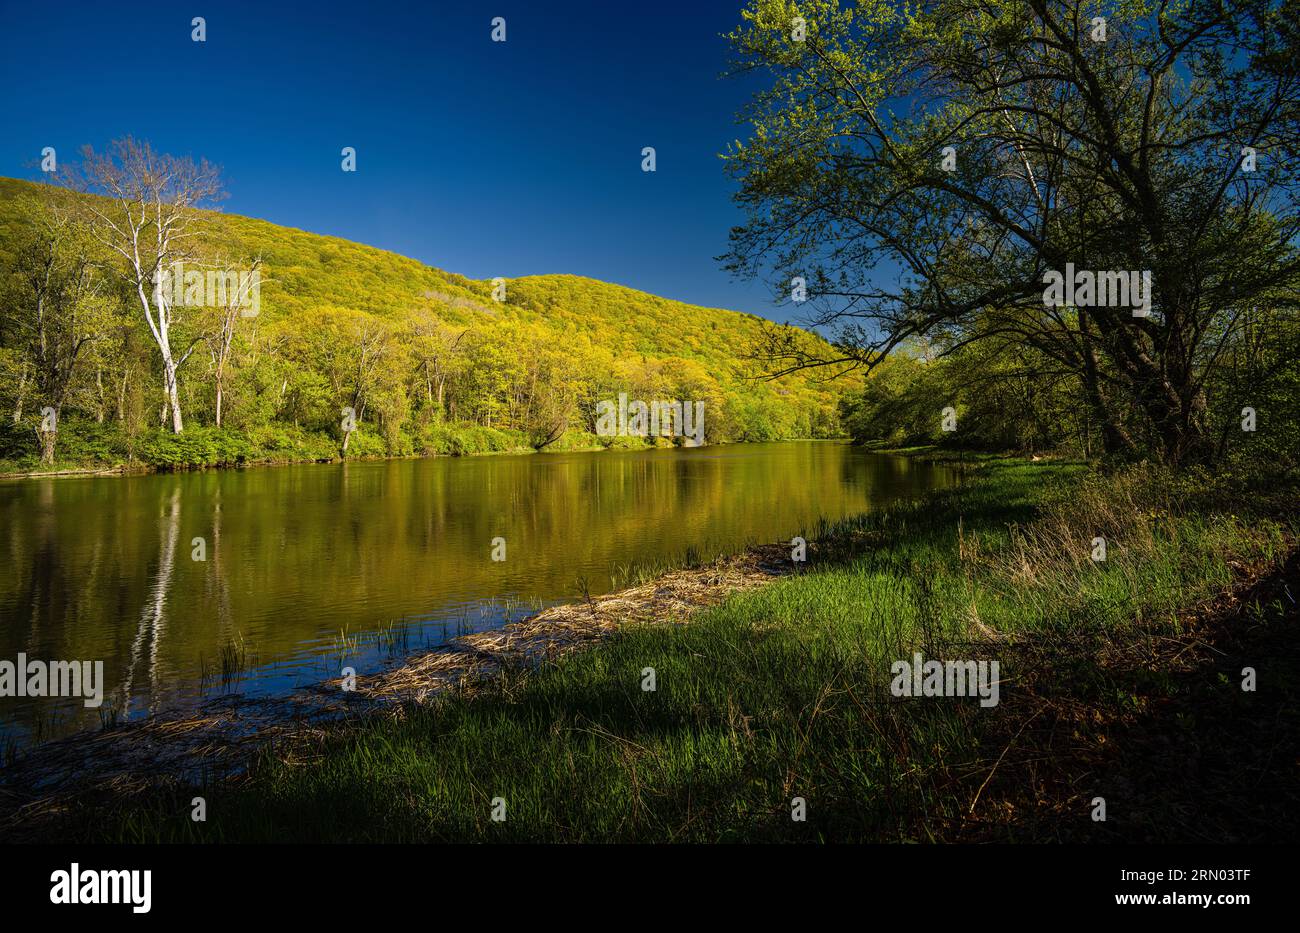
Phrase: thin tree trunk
pixel 99 395
pixel 169 378
pixel 22 396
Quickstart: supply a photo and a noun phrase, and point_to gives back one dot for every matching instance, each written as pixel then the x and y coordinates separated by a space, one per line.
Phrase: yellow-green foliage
pixel 414 349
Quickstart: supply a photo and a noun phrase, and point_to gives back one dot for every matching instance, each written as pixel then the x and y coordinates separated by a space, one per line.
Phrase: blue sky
pixel 482 158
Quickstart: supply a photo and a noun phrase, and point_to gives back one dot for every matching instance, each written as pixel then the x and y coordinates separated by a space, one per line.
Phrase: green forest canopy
pixel 430 362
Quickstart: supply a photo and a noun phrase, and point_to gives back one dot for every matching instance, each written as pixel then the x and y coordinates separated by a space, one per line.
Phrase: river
pixel 260 580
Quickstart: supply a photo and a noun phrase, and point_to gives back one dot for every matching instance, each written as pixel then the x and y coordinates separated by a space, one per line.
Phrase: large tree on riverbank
pixel 923 168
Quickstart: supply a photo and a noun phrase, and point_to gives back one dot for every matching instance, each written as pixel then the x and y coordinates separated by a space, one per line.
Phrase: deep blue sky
pixel 477 157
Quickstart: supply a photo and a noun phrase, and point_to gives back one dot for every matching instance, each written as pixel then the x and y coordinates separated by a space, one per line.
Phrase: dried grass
pixel 218 742
pixel 552 633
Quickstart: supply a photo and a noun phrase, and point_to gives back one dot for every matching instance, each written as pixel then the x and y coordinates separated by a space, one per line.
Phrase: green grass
pixel 778 693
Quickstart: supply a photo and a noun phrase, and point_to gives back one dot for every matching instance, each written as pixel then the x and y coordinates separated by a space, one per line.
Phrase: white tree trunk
pixel 173 399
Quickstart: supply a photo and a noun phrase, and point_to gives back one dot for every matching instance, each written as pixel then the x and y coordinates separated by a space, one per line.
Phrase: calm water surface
pixel 315 566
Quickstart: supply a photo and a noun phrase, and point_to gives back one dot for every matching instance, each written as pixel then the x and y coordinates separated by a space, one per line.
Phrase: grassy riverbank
pixel 783 692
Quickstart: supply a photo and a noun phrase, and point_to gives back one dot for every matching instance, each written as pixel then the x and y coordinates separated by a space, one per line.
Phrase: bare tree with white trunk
pixel 149 215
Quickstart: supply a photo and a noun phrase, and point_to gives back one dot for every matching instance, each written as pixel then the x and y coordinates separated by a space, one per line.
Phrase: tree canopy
pixel 927 167
pixel 428 361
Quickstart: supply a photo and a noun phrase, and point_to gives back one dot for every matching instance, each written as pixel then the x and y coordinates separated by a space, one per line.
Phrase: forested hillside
pixel 429 361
